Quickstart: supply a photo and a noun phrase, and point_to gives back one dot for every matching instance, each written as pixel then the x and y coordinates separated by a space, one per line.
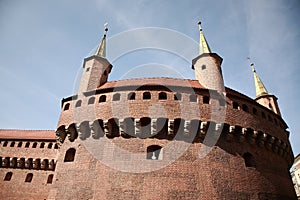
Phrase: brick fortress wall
pixel 251 159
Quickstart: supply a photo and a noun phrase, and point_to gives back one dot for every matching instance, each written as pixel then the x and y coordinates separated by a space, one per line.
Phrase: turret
pixel 207 66
pixel 262 96
pixel 95 68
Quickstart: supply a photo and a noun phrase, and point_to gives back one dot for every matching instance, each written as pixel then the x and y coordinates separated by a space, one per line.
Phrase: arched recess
pixel 8 176
pixel 50 179
pixel 154 152
pixel 72 132
pixel 36 163
pixel 116 97
pixel 60 135
pixel 97 129
pixel 194 127
pixel 102 99
pixel 245 108
pixel 91 100
pixel 112 127
pixel 178 127
pixel 29 177
pixel 145 125
pixel 28 163
pixel 67 106
pixel 162 128
pixel 78 103
pixel 70 155
pixel 13 162
pixel 84 130
pixel 45 164
pixel 193 98
pixel 34 145
pixel 162 96
pixel 129 128
pixel 146 95
pixel 131 96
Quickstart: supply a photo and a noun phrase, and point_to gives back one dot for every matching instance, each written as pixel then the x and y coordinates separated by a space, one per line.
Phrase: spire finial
pixel 199 24
pixel 259 86
pixel 203 45
pixel 101 49
pixel 251 64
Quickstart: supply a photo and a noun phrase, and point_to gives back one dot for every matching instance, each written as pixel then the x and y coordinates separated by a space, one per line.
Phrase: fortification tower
pixel 95 68
pixel 114 152
pixel 207 66
pixel 262 96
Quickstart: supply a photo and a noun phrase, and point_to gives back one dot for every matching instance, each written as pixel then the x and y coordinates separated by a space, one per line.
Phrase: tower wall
pixel 208 71
pixel 95 73
pixel 270 102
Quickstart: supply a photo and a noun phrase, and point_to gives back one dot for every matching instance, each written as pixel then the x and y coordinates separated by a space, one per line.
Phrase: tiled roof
pixel 171 82
pixel 153 81
pixel 27 134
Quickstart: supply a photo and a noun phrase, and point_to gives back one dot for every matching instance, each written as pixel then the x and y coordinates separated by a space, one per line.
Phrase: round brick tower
pixel 145 139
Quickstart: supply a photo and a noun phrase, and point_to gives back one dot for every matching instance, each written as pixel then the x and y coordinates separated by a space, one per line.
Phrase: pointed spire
pixel 101 49
pixel 259 86
pixel 203 45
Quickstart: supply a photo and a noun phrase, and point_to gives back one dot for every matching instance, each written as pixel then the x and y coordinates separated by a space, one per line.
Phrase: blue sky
pixel 43 43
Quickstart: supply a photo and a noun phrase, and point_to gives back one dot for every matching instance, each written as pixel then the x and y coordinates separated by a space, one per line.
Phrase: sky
pixel 43 44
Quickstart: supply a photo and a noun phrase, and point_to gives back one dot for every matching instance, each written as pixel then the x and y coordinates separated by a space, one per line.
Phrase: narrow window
pixel 34 145
pixel 206 99
pixel 91 100
pixel 5 143
pixel 146 95
pixel 8 176
pixel 50 179
pixel 78 103
pixel 102 98
pixel 67 106
pixel 27 144
pixel 49 145
pixel 177 97
pixel 203 67
pixel 270 106
pixel 87 69
pixel 70 155
pixel 162 96
pixel 55 146
pixel 193 98
pixel 116 97
pixel 42 145
pixel 254 111
pixel 249 160
pixel 131 96
pixel 153 152
pixel 245 108
pixel 20 144
pixel 29 177
pixel 235 105
pixel 12 144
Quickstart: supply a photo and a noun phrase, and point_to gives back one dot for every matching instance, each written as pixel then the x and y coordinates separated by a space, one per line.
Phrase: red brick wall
pixel 17 188
pixel 222 174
